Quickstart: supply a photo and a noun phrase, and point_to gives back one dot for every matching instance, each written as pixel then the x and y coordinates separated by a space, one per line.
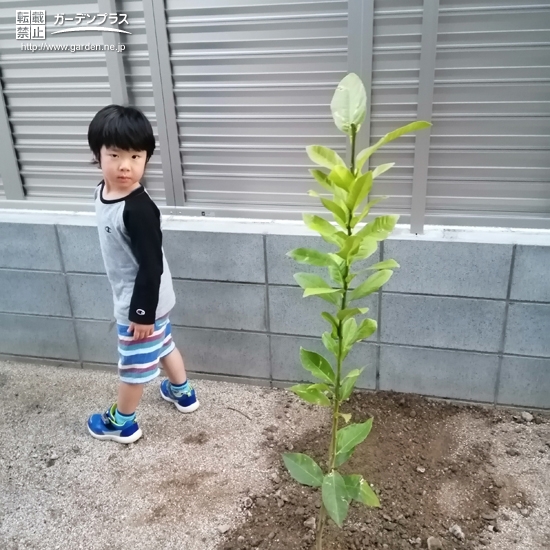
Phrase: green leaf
pixel 345 313
pixel 330 343
pixel 368 247
pixel 366 329
pixel 353 486
pixel 319 291
pixel 335 497
pixel 323 156
pixel 322 226
pixel 342 177
pixel 334 298
pixel 359 191
pixel 379 228
pixel 358 489
pixel 371 285
pixel 349 103
pixel 344 457
pixel 322 179
pixel 311 394
pixel 367 495
pixel 339 215
pixel 350 247
pixel 349 437
pixel 381 169
pixel 311 256
pixel 309 280
pixel 317 365
pixel 364 155
pixel 336 275
pixel 349 329
pixel 349 383
pixel 356 219
pixel 303 469
pixel 386 264
pixel 346 417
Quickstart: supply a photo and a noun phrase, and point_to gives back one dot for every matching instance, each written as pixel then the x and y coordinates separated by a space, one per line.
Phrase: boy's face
pixel 121 168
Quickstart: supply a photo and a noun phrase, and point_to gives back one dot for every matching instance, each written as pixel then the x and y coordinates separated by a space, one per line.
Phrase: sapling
pixel 348 190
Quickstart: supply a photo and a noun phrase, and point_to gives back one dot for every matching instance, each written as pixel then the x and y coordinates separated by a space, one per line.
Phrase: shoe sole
pixel 125 440
pixel 186 410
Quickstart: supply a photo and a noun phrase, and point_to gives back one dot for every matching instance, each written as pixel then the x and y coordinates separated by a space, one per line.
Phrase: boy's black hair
pixel 122 127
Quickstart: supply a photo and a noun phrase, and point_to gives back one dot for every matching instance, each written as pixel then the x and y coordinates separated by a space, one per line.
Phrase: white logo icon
pixel 140 312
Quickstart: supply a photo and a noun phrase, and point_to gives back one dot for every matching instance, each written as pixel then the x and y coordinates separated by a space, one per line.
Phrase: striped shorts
pixel 139 359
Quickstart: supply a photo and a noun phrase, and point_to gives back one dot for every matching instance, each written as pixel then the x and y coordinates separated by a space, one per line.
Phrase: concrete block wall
pixel 462 320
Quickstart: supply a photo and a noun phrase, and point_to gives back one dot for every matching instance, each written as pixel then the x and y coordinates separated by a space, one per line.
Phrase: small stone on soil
pixel 434 544
pixel 456 531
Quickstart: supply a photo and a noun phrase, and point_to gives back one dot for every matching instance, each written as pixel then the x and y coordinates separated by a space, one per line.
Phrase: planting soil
pixel 461 476
pixel 214 480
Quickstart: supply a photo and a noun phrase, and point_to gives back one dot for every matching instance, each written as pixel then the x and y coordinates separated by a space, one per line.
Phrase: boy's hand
pixel 141 331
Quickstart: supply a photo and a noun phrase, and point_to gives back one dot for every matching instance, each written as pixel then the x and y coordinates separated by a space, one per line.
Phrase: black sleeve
pixel 142 221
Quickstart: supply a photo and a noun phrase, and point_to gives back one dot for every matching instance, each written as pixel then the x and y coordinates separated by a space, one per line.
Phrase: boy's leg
pixel 174 367
pixel 129 396
pixel 177 389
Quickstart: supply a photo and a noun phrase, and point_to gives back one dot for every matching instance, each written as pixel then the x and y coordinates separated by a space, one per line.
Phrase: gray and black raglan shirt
pixel 131 243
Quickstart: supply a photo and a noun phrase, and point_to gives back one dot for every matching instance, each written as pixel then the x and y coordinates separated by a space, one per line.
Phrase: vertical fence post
pixel 115 65
pixel 165 106
pixel 425 105
pixel 9 168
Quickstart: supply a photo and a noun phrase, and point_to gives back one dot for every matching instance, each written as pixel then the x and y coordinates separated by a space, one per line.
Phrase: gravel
pixel 180 486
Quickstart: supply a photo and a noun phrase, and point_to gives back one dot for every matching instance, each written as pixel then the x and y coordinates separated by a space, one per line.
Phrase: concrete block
pixel 528 330
pixel 35 292
pixel 223 352
pixel 80 249
pixel 98 343
pixel 281 268
pixel 439 373
pixel 525 381
pixel 91 296
pixel 530 280
pixel 29 246
pixel 215 256
pixel 455 269
pixel 285 358
pixel 220 305
pixel 32 336
pixel 292 314
pixel 458 323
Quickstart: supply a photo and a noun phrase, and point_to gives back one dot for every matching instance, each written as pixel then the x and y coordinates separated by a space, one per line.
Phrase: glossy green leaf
pixel 336 275
pixel 323 156
pixel 335 497
pixel 311 256
pixel 386 264
pixel 330 343
pixel 379 228
pixel 342 177
pixel 366 329
pixel 353 486
pixel 368 247
pixel 371 285
pixel 349 329
pixel 317 365
pixel 364 155
pixel 303 469
pixel 342 458
pixel 367 495
pixel 349 103
pixel 359 190
pixel 356 219
pixel 322 179
pixel 349 383
pixel 379 170
pixel 311 395
pixel 344 314
pixel 350 247
pixel 349 437
pixel 309 280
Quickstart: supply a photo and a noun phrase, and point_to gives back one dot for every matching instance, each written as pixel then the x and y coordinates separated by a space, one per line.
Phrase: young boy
pixel 129 225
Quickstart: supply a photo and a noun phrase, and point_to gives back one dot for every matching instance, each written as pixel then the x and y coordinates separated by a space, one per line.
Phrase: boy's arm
pixel 142 221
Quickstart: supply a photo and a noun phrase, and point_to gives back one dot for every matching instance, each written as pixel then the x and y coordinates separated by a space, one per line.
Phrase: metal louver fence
pixel 236 89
